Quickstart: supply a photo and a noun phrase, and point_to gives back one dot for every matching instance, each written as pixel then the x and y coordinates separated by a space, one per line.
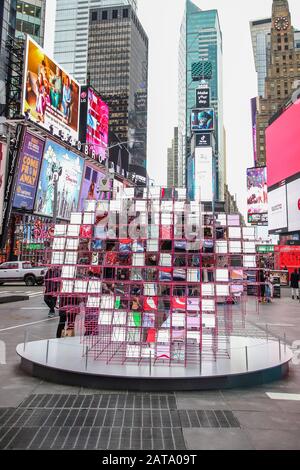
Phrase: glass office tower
pixel 72 31
pixel 119 71
pixel 31 19
pixel 200 39
pixel 7 29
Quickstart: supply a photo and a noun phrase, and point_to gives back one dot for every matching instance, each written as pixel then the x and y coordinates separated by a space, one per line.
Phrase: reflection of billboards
pixel 51 96
pixel 91 188
pixel 58 159
pixel 278 210
pixel 293 200
pixel 203 98
pixel 29 168
pixel 94 123
pixel 257 195
pixel 283 146
pixel 204 174
pixel 202 120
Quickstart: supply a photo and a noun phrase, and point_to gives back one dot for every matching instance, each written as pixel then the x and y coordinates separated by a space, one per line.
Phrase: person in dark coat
pixel 52 285
pixel 295 284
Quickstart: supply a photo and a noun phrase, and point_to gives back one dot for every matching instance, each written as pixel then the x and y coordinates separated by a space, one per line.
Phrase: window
pixel 94 15
pixel 104 15
pixel 115 14
pixel 125 13
pixel 286 48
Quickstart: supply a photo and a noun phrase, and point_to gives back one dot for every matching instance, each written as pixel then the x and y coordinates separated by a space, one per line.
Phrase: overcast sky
pixel 161 20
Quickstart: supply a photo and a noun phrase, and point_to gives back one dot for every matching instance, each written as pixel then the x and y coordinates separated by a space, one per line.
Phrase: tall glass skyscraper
pixel 31 19
pixel 72 32
pixel 200 39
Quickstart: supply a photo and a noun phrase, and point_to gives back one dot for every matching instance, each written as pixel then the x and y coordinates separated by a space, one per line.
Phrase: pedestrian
pixel 261 287
pixel 268 288
pixel 50 288
pixel 295 284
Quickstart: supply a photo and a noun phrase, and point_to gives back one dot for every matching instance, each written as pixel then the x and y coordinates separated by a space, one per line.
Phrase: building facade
pixel 260 35
pixel 119 71
pixel 283 72
pixel 173 161
pixel 72 32
pixel 7 29
pixel 31 20
pixel 200 39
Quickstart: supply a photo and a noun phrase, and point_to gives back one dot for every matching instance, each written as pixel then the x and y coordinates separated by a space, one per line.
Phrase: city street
pixel 36 415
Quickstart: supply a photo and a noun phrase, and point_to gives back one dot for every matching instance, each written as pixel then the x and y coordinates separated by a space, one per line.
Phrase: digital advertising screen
pixel 202 98
pixel 50 95
pixel 283 146
pixel 204 174
pixel 94 119
pixel 202 120
pixel 257 194
pixel 278 210
pixel 91 188
pixel 293 201
pixel 191 178
pixel 58 159
pixel 30 160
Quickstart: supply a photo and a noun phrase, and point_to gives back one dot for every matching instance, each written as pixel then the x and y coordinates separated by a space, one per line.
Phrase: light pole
pixel 57 172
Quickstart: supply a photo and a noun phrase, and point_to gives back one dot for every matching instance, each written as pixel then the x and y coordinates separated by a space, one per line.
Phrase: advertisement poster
pixel 204 174
pixel 50 96
pixel 3 150
pixel 91 189
pixel 28 174
pixel 278 210
pixel 69 166
pixel 293 200
pixel 257 194
pixel 202 98
pixel 203 140
pixel 202 120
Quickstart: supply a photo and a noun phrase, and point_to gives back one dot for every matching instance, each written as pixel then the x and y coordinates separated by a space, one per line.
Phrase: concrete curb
pixel 13 298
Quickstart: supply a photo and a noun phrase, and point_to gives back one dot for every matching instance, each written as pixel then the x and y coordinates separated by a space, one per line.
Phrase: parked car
pixel 17 271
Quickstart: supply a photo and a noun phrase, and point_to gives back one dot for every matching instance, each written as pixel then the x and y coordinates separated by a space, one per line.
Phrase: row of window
pixel 115 14
pixel 29 9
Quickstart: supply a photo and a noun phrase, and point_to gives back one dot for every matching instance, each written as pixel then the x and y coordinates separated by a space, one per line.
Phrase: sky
pixel 161 20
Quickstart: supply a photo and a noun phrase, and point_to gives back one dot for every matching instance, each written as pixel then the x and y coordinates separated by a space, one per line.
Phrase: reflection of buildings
pixel 282 65
pixel 173 161
pixel 119 71
pixel 200 39
pixel 31 19
pixel 71 33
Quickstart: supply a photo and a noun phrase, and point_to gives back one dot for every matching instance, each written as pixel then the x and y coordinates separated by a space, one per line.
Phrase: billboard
pixel 202 120
pixel 204 174
pixel 70 166
pixel 50 95
pixel 203 140
pixel 91 188
pixel 203 98
pixel 283 146
pixel 257 195
pixel 29 168
pixel 293 202
pixel 278 210
pixel 94 117
pixel 253 114
pixel 3 159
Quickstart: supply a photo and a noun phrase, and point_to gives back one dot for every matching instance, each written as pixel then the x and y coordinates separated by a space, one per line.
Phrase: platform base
pixel 61 361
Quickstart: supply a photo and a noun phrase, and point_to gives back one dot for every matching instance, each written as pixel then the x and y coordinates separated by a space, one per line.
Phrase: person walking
pixel 295 284
pixel 50 288
pixel 261 285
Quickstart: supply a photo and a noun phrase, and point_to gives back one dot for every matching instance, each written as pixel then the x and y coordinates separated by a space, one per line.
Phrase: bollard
pixel 285 342
pixel 267 330
pixel 150 363
pixel 279 343
pixel 25 338
pixel 246 351
pixel 200 362
pixel 86 357
pixel 47 351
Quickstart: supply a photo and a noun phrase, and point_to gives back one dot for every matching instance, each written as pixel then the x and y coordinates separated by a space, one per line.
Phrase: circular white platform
pixel 62 361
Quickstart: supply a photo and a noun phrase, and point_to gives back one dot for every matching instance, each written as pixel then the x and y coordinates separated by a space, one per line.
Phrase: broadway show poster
pixel 59 160
pixel 91 186
pixel 28 174
pixel 51 95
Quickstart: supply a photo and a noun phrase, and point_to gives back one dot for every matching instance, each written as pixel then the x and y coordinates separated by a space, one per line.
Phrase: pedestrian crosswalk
pixel 21 292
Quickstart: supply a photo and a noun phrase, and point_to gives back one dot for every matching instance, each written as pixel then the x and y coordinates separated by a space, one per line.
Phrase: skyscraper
pixel 7 29
pixel 173 161
pixel 72 30
pixel 200 39
pixel 282 73
pixel 119 71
